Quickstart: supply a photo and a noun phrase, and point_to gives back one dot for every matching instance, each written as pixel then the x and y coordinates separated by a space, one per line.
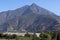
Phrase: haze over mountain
pixel 29 18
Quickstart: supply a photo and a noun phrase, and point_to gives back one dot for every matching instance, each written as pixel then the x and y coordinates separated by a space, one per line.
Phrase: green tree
pixel 5 36
pixel 13 36
pixel 54 35
pixel 34 37
pixel 1 35
pixel 45 36
pixel 58 36
pixel 27 35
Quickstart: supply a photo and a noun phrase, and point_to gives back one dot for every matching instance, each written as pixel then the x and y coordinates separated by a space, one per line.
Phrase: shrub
pixel 45 36
pixel 27 35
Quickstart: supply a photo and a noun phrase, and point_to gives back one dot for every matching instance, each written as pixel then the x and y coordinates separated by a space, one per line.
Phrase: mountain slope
pixel 28 18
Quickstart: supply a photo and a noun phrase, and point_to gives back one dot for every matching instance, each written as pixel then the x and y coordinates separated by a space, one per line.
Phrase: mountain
pixel 29 18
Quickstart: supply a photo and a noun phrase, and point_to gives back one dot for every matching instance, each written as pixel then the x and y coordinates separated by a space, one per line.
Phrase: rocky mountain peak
pixel 34 4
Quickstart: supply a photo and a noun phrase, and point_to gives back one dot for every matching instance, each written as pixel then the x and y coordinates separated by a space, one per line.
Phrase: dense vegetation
pixel 42 36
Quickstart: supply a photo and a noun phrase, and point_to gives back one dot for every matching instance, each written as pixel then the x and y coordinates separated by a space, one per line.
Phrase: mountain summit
pixel 34 5
pixel 28 19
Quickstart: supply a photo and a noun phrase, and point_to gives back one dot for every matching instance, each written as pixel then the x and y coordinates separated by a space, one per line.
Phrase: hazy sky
pixel 52 5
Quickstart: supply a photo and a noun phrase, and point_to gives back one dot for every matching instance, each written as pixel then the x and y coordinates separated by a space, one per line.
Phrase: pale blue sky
pixel 52 5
